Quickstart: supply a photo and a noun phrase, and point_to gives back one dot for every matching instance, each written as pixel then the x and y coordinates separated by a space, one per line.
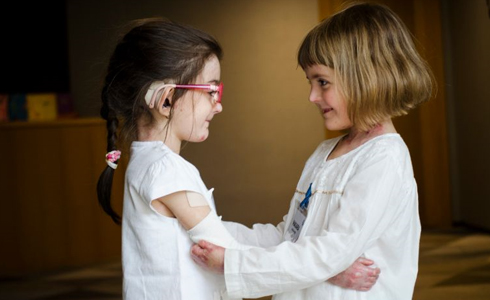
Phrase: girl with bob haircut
pixel 357 195
pixel 388 78
pixel 163 88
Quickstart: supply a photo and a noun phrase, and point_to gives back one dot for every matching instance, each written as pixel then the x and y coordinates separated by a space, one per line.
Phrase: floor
pixel 454 265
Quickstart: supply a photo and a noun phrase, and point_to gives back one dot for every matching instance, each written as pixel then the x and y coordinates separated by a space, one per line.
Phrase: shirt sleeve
pixel 368 203
pixel 211 229
pixel 260 235
pixel 167 176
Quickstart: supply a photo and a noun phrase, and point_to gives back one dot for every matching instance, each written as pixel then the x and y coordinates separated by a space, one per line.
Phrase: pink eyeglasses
pixel 215 90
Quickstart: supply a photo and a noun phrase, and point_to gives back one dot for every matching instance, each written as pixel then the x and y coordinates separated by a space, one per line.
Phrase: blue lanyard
pixel 305 202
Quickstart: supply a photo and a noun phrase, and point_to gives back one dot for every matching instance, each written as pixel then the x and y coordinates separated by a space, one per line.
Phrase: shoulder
pixel 171 163
pixel 158 171
pixel 391 145
pixel 388 149
pixel 154 159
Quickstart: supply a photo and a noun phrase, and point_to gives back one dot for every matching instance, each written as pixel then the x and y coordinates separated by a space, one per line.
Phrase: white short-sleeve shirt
pixel 156 249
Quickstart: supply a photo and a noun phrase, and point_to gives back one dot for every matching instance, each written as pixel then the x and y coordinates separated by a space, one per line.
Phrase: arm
pixel 358 276
pixel 195 215
pixel 361 276
pixel 179 206
pixel 369 202
pixel 260 235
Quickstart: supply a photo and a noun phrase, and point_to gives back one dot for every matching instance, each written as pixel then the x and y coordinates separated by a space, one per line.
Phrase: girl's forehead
pixel 211 72
pixel 314 71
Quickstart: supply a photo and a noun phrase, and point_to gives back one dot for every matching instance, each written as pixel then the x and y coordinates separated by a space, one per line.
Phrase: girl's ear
pixel 164 103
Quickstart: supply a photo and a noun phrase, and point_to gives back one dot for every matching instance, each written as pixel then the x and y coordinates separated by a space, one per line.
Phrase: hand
pixel 209 256
pixel 359 276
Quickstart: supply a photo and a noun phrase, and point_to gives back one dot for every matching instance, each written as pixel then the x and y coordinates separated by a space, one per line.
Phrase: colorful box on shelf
pixel 42 107
pixel 65 106
pixel 17 109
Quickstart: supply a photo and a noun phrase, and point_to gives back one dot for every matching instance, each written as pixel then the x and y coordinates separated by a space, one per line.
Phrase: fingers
pixel 198 261
pixel 196 250
pixel 372 272
pixel 208 256
pixel 201 248
pixel 367 286
pixel 365 261
pixel 203 244
pixel 366 265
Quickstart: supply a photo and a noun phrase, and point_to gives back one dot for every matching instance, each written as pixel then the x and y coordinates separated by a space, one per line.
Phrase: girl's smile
pixel 325 93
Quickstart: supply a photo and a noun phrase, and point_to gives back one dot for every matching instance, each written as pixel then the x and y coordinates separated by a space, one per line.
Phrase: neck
pixel 160 132
pixel 357 136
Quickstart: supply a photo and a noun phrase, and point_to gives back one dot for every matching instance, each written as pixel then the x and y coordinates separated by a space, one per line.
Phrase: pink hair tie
pixel 112 158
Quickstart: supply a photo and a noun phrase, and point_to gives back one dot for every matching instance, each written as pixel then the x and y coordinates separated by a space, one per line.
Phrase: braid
pixel 111 125
pixel 104 185
pixel 152 50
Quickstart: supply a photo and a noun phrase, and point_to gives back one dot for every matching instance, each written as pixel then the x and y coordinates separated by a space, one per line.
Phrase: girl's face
pixel 325 93
pixel 194 111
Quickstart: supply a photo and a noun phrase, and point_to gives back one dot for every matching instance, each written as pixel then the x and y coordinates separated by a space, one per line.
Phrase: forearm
pixel 287 267
pixel 260 235
pixel 211 229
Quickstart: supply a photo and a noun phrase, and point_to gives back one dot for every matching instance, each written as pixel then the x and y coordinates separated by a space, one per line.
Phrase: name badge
pixel 299 219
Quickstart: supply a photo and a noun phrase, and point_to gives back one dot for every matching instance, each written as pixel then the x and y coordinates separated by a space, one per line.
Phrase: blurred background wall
pixel 466 35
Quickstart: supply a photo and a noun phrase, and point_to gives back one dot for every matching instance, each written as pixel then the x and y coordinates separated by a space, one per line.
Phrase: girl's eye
pixel 323 82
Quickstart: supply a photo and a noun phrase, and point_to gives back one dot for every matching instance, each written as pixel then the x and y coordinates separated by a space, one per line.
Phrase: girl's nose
pixel 218 108
pixel 314 96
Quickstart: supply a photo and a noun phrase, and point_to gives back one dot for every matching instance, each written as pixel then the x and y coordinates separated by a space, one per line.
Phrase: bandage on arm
pixel 188 207
pixel 211 229
pixel 195 215
pixel 195 199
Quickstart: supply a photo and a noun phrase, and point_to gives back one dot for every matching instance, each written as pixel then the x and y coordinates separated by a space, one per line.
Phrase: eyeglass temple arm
pixel 197 86
pixel 189 86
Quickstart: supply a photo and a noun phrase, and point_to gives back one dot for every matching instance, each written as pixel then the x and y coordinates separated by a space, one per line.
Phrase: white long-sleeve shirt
pixel 363 203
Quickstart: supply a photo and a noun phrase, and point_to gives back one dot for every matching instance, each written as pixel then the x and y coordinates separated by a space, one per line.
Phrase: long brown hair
pixel 152 50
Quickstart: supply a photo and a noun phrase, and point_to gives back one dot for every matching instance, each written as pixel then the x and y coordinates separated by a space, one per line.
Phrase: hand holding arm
pixel 359 276
pixel 209 256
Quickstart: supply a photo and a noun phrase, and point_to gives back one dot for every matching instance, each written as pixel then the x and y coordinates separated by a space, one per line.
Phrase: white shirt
pixel 156 249
pixel 364 203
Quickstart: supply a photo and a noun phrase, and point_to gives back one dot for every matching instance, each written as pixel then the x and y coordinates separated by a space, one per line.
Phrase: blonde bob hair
pixel 380 73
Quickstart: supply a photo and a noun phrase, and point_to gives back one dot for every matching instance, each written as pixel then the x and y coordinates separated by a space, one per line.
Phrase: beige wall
pixel 259 144
pixel 467 43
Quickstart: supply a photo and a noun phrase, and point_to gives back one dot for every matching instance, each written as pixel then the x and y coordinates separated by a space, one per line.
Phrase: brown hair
pixel 380 72
pixel 152 50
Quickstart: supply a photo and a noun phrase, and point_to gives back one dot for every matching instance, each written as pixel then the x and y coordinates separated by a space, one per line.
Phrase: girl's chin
pixel 336 127
pixel 200 138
